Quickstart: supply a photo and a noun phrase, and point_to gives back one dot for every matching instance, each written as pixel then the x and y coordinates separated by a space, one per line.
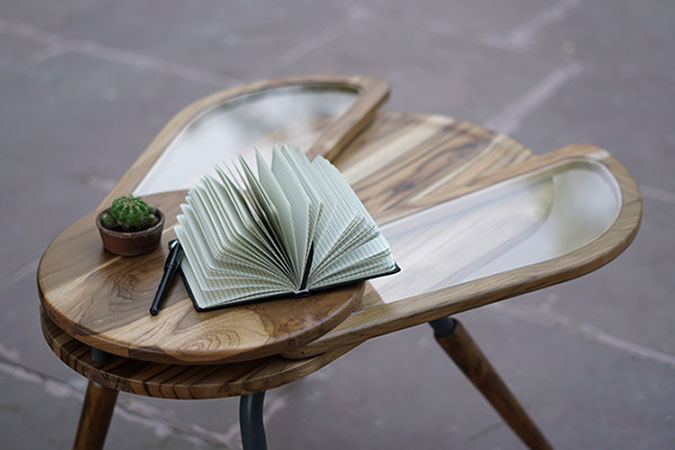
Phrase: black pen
pixel 170 267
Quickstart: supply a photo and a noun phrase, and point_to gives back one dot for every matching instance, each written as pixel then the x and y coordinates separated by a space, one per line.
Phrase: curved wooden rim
pixel 372 92
pixel 180 381
pixel 387 318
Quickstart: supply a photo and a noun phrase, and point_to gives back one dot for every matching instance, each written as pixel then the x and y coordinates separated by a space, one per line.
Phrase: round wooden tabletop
pixel 103 300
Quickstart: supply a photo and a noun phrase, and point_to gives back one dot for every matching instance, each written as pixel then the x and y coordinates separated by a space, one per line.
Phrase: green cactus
pixel 129 214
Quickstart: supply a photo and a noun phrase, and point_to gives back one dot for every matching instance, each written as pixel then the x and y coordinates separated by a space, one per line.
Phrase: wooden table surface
pixel 403 163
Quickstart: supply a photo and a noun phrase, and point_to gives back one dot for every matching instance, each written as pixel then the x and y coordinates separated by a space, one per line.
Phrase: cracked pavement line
pixel 56 45
pixel 193 433
pixel 548 318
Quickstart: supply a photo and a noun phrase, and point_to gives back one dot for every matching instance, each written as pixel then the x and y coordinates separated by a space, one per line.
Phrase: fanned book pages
pixel 295 228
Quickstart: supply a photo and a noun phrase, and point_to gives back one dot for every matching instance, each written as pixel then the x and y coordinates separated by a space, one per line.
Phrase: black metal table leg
pixel 443 326
pixel 251 421
pixel 100 356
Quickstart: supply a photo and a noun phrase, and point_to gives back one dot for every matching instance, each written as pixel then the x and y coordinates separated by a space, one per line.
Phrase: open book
pixel 296 228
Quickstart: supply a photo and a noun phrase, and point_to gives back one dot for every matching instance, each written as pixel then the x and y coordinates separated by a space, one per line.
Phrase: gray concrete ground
pixel 86 84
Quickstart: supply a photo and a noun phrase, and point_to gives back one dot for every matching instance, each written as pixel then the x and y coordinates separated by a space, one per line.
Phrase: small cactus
pixel 129 214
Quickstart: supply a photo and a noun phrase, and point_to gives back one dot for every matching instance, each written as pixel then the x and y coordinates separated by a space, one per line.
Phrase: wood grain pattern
pixel 460 346
pixel 103 300
pixel 402 160
pixel 184 382
pixel 401 164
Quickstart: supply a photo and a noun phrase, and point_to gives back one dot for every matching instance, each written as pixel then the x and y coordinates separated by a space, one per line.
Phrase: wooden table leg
pixel 97 410
pixel 460 346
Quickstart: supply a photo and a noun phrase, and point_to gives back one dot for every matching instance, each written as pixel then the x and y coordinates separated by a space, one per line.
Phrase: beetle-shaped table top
pixel 472 216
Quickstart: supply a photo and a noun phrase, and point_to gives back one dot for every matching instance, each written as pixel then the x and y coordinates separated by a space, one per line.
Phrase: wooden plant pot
pixel 131 243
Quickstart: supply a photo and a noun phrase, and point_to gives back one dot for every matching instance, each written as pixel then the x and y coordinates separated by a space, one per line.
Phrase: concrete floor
pixel 86 84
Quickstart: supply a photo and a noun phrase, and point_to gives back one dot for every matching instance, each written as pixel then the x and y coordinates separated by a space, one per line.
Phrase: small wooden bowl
pixel 131 243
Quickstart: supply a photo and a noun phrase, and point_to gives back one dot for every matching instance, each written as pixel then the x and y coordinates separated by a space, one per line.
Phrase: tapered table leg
pixel 251 421
pixel 460 346
pixel 97 410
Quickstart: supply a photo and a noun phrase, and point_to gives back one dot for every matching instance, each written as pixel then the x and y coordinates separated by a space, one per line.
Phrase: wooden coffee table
pixel 473 217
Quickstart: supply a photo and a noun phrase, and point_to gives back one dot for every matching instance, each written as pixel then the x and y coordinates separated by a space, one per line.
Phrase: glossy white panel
pixel 510 225
pixel 293 115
